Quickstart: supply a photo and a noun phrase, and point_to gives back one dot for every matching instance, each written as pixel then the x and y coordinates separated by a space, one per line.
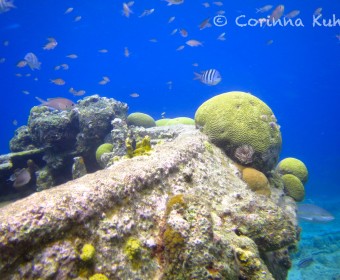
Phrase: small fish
pixel 103 51
pixel 32 61
pixel 77 18
pixel 181 47
pixel 264 9
pixel 206 4
pixel 220 12
pixel 126 52
pixel 170 83
pixel 313 213
pixel 25 92
pixel 21 63
pixel 18 74
pixel 305 262
pixel 58 103
pixel 68 10
pixel 337 36
pixel 183 33
pixel 15 122
pixel 147 12
pixel 174 31
pixel 174 2
pixel 28 75
pixel 64 66
pixel 171 19
pixel 269 42
pixel 209 77
pixel 219 3
pixel 126 10
pixel 194 43
pixel 20 178
pixel 58 82
pixel 195 64
pixel 277 13
pixel 205 23
pixel 153 40
pixel 72 56
pixel 134 95
pixel 104 81
pixel 292 14
pixel 57 67
pixel 221 37
pixel 52 43
pixel 77 92
pixel 317 12
pixel 163 115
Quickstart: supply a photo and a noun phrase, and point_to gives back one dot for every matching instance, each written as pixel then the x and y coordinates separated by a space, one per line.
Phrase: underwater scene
pixel 170 139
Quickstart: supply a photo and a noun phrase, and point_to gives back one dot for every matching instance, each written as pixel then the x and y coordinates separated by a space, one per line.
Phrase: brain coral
pixel 235 119
pixel 256 181
pixel 140 119
pixel 293 187
pixel 295 167
pixel 104 148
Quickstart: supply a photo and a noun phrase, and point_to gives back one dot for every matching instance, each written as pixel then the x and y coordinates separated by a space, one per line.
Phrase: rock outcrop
pixel 181 212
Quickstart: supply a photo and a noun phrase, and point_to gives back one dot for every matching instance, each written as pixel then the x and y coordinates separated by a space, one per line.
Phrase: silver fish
pixel 58 103
pixel 209 77
pixel 32 61
pixel 313 213
pixel 174 2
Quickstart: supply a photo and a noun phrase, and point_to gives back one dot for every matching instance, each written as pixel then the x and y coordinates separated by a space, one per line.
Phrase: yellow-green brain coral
pixel 239 122
pixel 98 276
pixel 87 252
pixel 293 187
pixel 295 167
pixel 104 148
pixel 140 119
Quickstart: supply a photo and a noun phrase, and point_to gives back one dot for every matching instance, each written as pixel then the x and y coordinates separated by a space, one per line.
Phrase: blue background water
pixel 297 75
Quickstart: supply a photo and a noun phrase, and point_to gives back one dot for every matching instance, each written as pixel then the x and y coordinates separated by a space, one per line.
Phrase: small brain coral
pixel 295 167
pixel 293 187
pixel 87 252
pixel 102 149
pixel 234 119
pixel 256 181
pixel 140 119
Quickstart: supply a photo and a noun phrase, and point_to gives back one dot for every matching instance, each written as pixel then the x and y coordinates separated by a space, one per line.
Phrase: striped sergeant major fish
pixel 209 77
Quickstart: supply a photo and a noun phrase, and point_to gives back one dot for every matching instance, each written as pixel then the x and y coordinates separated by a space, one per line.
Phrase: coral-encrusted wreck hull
pixel 180 213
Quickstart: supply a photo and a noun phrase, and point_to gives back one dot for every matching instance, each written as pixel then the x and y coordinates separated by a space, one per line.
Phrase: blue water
pixel 297 75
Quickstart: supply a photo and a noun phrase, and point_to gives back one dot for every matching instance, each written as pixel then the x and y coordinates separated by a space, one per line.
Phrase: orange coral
pixel 256 181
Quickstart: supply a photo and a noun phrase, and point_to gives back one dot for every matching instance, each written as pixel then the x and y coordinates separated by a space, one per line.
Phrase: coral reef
pixel 295 167
pixel 256 181
pixel 180 213
pixel 293 187
pixel 140 119
pixel 237 118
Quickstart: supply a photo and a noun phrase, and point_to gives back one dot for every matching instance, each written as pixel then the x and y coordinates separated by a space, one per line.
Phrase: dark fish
pixel 313 213
pixel 209 77
pixel 305 262
pixel 58 103
pixel 20 177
